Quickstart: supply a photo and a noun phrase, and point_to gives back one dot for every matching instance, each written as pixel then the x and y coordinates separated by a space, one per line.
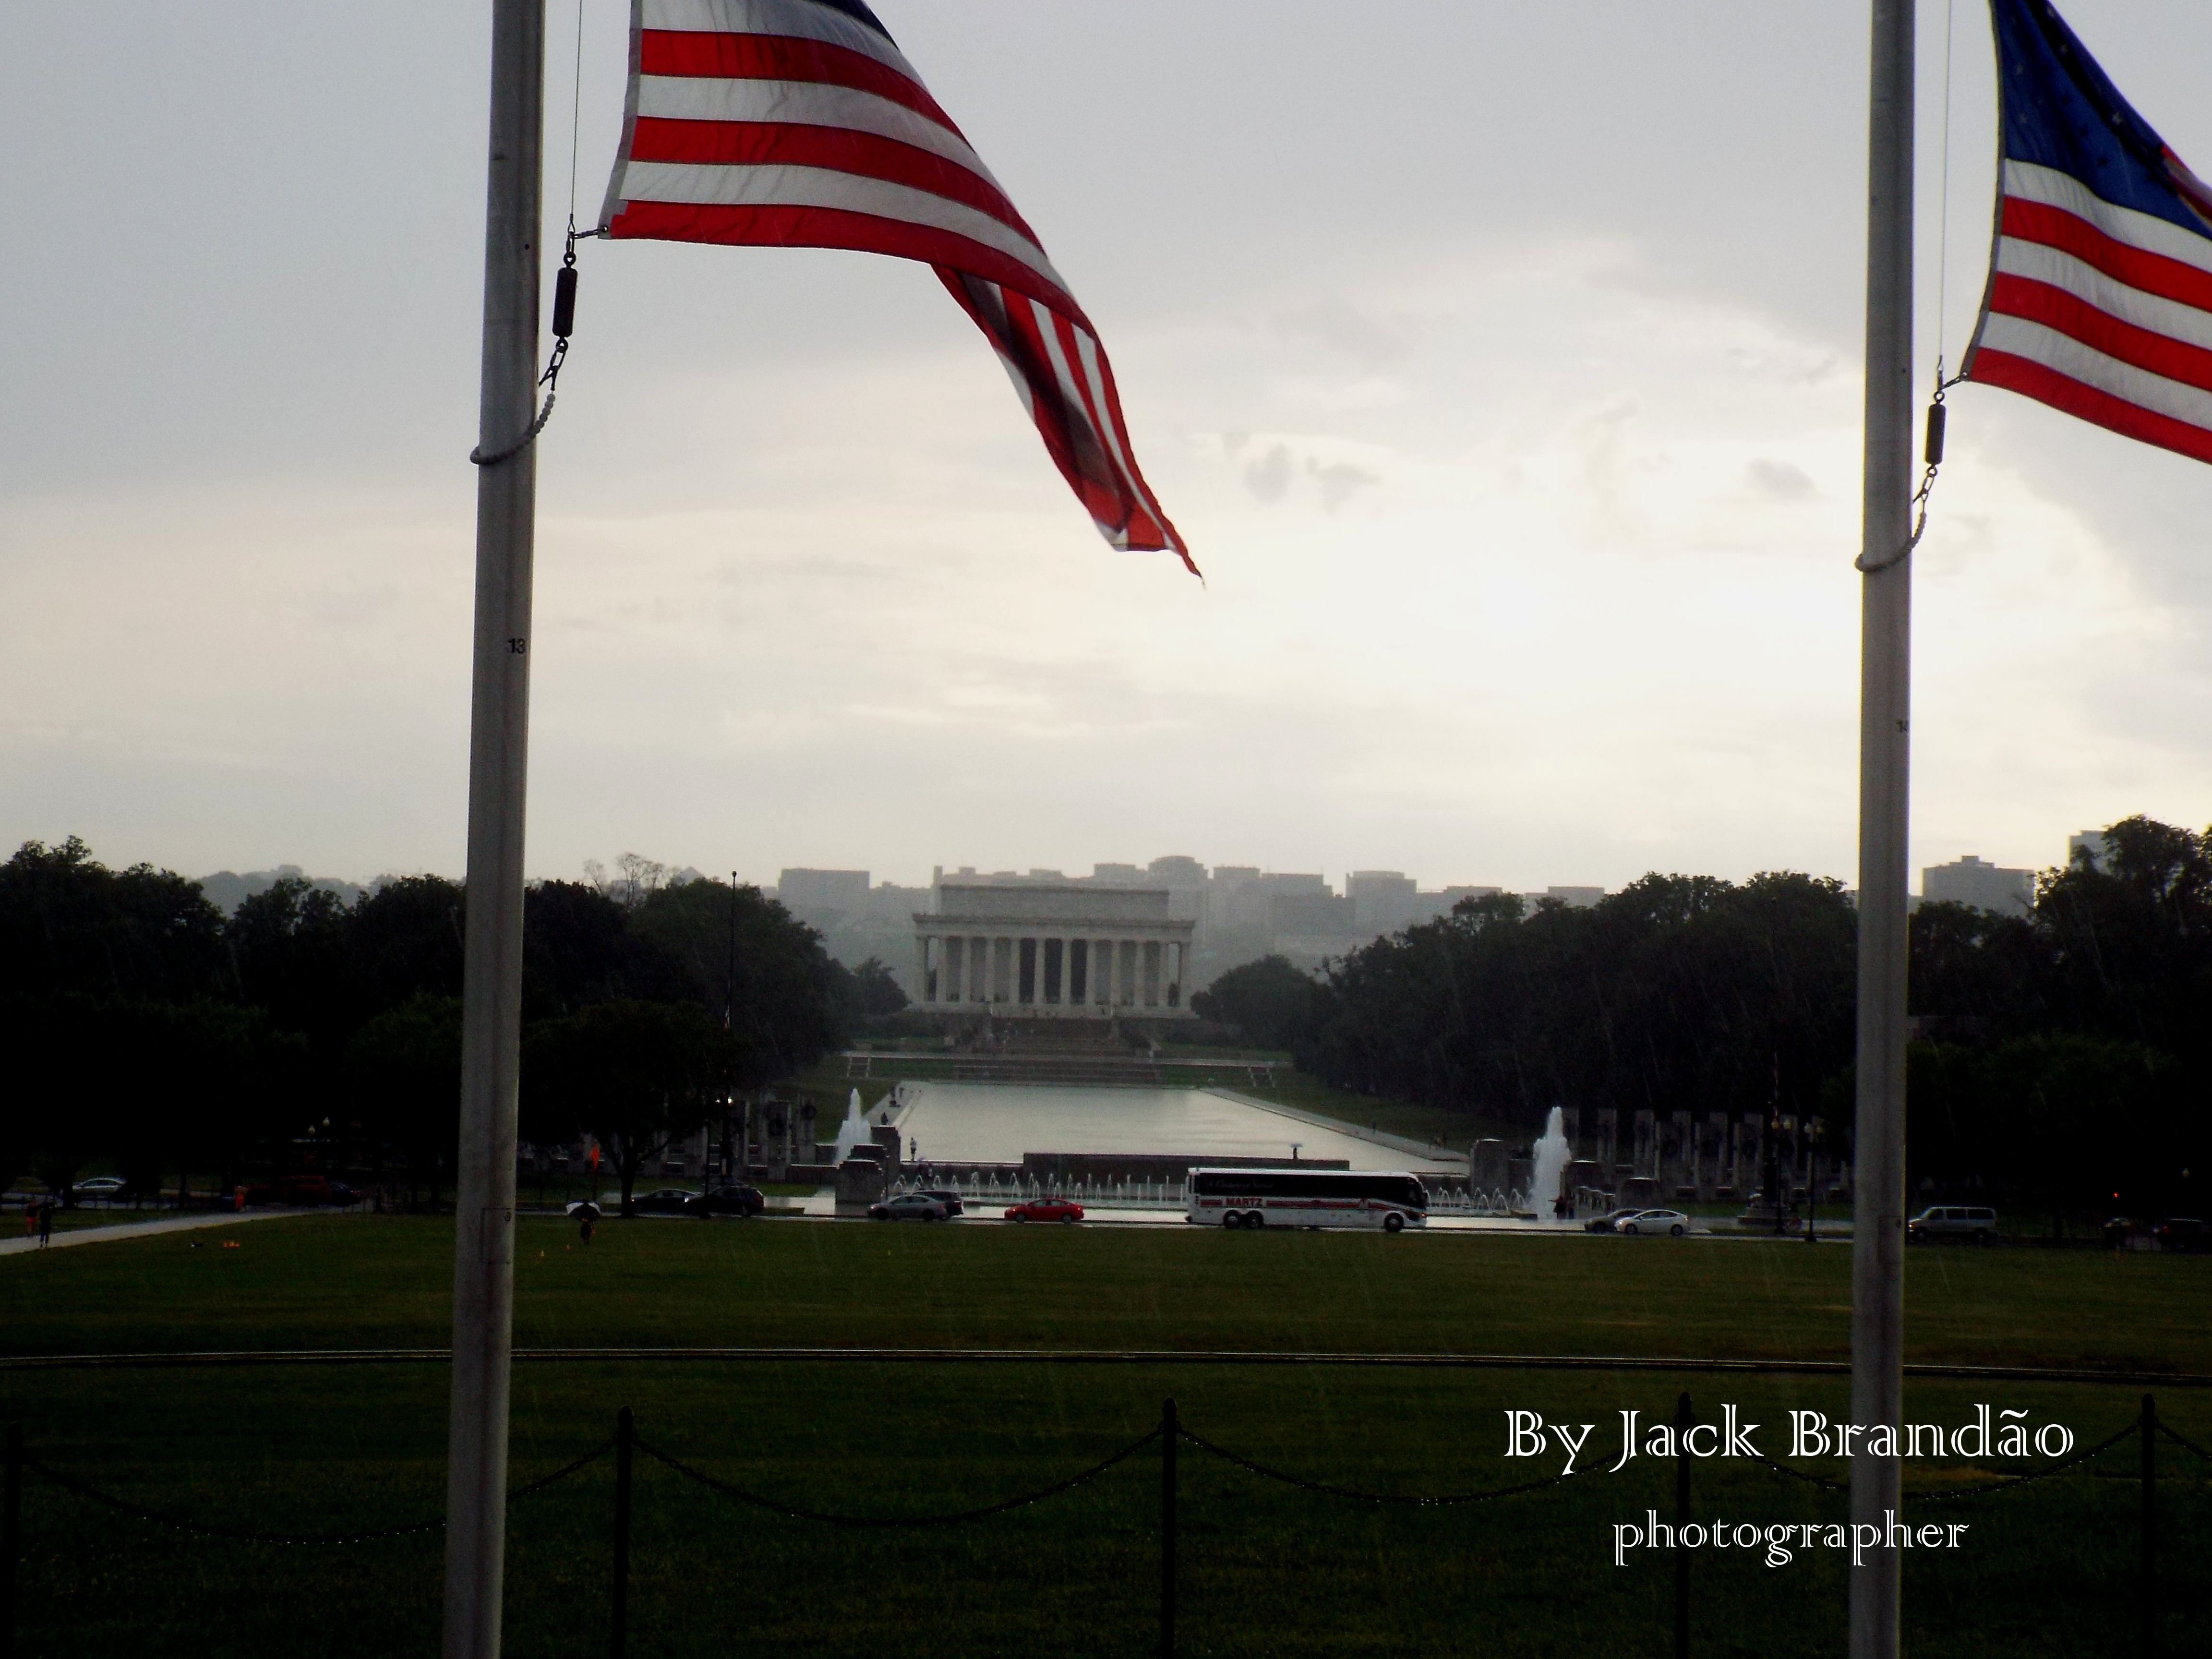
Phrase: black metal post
pixel 2148 1435
pixel 618 1642
pixel 1169 1435
pixel 11 1539
pixel 1684 1417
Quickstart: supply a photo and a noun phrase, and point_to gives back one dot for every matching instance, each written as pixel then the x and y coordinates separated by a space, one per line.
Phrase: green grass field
pixel 1266 1569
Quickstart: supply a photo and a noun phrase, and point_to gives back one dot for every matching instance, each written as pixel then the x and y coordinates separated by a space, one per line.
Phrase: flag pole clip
pixel 564 323
pixel 1931 456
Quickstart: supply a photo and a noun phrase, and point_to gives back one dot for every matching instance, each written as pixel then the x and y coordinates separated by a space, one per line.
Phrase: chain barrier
pixel 200 1529
pixel 1810 1479
pixel 1442 1501
pixel 2184 1441
pixel 791 1511
pixel 2006 1483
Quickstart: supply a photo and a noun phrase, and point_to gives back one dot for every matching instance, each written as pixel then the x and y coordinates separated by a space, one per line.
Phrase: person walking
pixel 585 1217
pixel 46 1223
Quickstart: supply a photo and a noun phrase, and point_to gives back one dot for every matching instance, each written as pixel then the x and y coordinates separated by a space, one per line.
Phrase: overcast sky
pixel 1499 363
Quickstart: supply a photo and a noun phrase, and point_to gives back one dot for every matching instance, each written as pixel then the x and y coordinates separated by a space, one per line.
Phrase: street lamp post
pixel 1813 1131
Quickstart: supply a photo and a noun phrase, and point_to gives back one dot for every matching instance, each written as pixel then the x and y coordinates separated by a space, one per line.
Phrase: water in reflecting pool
pixel 997 1122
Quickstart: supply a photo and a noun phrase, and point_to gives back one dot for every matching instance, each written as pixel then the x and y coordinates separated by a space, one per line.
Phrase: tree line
pixel 144 1028
pixel 2062 1058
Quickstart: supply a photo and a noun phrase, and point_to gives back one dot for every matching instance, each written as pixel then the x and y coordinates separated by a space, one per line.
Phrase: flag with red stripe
pixel 799 124
pixel 2100 298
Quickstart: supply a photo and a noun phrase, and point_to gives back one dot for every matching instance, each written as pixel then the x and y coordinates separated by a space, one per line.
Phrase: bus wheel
pixel 1394 1224
pixel 1231 1219
pixel 1254 1218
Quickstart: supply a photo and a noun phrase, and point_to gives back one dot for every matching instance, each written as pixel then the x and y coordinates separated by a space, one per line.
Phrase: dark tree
pixel 404 1073
pixel 878 991
pixel 404 941
pixel 1678 993
pixel 1269 1001
pixel 290 951
pixel 634 1076
pixel 578 948
pixel 69 923
pixel 789 1003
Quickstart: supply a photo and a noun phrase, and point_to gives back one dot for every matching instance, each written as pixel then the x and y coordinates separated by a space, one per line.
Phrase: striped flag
pixel 2099 299
pixel 799 124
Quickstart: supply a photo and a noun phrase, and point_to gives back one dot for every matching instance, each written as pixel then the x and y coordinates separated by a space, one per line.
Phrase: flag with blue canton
pixel 2100 297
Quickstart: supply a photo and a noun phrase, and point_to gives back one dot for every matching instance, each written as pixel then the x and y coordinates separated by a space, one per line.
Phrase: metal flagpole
pixel 499 733
pixel 1885 709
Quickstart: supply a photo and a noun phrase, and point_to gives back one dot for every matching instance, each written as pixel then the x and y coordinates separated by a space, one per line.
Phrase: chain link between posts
pixel 2006 1483
pixel 1411 1500
pixel 201 1529
pixel 795 1512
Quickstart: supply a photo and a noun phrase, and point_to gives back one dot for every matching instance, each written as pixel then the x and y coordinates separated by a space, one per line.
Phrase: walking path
pixel 170 1223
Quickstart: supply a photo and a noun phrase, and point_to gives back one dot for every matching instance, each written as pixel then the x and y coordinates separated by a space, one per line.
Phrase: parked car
pixel 1608 1221
pixel 907 1206
pixel 664 1200
pixel 1046 1209
pixel 2183 1233
pixel 105 1188
pixel 1672 1223
pixel 308 1190
pixel 738 1201
pixel 1969 1221
pixel 948 1198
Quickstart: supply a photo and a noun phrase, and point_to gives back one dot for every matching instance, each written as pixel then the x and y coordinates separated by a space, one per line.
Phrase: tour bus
pixel 1306 1198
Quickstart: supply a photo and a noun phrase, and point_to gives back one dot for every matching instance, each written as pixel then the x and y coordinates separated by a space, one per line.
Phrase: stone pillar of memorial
pixel 1647 1149
pixel 1487 1168
pixel 1520 1175
pixel 1686 1157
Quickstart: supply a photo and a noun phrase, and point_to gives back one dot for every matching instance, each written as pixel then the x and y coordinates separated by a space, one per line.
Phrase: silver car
pixel 1672 1223
pixel 907 1206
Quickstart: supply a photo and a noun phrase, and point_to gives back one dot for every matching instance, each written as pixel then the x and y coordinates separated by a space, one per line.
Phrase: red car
pixel 1046 1209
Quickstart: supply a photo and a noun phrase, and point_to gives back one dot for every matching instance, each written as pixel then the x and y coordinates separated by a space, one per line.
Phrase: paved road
pixel 170 1223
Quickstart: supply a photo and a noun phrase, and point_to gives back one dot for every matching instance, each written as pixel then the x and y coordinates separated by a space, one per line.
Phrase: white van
pixel 1952 1221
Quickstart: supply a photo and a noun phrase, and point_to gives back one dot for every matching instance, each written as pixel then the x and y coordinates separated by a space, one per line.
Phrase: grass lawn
pixel 1265 1568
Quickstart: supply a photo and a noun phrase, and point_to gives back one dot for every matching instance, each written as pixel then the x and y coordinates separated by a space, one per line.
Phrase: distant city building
pixel 815 890
pixel 1984 886
pixel 1065 950
pixel 2091 845
pixel 1382 900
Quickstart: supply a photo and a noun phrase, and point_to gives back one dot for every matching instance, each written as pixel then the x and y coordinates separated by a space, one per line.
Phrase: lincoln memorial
pixel 1053 952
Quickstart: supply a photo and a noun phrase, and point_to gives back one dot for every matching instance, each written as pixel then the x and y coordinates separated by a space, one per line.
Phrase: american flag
pixel 799 124
pixel 2100 298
